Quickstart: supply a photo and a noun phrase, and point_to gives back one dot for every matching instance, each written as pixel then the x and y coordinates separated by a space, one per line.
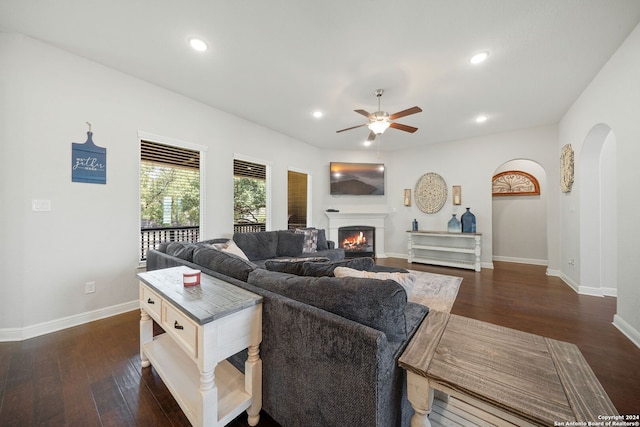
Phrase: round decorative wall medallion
pixel 566 168
pixel 430 193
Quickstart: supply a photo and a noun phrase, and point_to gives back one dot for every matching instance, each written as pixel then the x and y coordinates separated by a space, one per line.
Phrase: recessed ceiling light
pixel 317 114
pixel 479 57
pixel 481 119
pixel 366 143
pixel 198 44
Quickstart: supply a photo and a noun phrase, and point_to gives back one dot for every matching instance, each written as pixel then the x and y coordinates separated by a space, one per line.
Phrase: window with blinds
pixel 297 199
pixel 169 194
pixel 249 196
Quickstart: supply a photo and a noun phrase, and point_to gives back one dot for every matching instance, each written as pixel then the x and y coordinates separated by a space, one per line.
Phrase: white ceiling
pixel 275 62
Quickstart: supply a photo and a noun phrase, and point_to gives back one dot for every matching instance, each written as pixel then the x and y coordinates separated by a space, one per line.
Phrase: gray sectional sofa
pixel 330 345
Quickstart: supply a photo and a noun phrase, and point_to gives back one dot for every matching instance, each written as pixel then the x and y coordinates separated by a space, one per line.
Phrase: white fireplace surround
pixel 349 219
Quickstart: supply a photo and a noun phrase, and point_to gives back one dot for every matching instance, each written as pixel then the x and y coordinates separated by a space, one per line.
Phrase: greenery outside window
pixel 169 195
pixel 250 211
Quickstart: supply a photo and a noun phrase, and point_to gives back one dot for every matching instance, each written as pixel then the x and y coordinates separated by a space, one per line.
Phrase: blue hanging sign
pixel 88 162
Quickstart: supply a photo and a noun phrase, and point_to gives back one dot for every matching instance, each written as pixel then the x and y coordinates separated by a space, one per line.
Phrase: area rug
pixel 436 291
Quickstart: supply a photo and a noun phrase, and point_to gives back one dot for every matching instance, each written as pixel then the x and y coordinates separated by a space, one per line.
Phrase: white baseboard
pixel 554 273
pixel 521 260
pixel 628 330
pixel 19 334
pixel 566 279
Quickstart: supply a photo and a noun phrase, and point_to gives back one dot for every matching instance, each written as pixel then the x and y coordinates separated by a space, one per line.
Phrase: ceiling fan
pixel 381 120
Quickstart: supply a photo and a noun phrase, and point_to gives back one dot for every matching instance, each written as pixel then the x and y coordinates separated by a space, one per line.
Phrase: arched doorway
pixel 520 222
pixel 598 213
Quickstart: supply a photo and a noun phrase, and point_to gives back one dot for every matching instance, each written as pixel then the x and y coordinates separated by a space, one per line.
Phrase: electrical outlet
pixel 89 287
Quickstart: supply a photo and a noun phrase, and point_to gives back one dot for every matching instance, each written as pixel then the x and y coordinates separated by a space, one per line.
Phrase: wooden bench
pixel 502 376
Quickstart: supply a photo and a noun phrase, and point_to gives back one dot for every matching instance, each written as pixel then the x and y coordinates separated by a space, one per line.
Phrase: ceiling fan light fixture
pixel 379 126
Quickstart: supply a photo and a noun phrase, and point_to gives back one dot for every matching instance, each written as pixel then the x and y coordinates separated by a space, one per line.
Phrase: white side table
pixel 204 325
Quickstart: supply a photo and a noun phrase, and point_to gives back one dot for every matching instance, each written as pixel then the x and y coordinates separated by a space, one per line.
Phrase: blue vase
pixel 454 225
pixel 468 222
pixel 414 225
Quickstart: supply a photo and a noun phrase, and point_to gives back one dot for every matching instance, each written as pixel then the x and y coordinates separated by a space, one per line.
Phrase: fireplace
pixel 357 240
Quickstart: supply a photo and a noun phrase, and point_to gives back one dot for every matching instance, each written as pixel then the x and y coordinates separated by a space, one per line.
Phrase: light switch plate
pixel 41 205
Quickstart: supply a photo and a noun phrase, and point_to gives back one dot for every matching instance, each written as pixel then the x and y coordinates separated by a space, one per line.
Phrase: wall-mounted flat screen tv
pixel 357 179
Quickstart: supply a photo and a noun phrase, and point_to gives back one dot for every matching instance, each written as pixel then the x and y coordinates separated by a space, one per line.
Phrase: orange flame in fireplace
pixel 354 241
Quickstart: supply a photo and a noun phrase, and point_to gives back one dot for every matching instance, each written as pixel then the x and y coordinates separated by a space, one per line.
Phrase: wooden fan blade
pixel 403 127
pixel 372 136
pixel 352 127
pixel 406 112
pixel 364 113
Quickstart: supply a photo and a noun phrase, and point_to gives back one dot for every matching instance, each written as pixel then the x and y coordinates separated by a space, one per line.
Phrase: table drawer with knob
pixel 151 302
pixel 183 329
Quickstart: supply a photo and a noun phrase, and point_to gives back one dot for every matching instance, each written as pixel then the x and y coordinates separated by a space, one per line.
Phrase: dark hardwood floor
pixel 90 374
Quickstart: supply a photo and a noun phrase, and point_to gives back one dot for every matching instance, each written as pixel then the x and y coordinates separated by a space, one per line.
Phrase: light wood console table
pixel 204 325
pixel 503 376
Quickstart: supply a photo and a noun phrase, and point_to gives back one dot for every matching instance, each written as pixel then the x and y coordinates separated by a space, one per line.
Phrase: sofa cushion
pixel 258 245
pixel 380 306
pixel 406 280
pixel 291 265
pixel 319 269
pixel 223 262
pixel 310 244
pixel 163 247
pixel 182 250
pixel 289 244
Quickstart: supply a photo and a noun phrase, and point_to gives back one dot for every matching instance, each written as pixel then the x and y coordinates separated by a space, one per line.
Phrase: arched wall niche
pixel 598 212
pixel 520 221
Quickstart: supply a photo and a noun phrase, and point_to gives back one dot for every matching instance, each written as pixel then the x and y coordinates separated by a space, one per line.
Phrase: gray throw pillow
pixel 317 269
pixel 322 240
pixel 223 263
pixel 310 244
pixel 379 304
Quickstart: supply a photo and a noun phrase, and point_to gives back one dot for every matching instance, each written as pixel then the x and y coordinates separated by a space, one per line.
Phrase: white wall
pixel 470 163
pixel 91 234
pixel 613 99
pixel 520 222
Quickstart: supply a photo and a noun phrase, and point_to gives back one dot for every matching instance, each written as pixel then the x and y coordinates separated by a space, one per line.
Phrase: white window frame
pixel 147 136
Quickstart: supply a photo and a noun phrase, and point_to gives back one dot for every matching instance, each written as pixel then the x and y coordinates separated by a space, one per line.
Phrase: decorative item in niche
pixel 407 197
pixel 88 161
pixel 514 183
pixel 456 190
pixel 430 192
pixel 566 168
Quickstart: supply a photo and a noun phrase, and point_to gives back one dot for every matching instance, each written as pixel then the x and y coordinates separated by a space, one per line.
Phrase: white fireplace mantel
pixel 371 219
